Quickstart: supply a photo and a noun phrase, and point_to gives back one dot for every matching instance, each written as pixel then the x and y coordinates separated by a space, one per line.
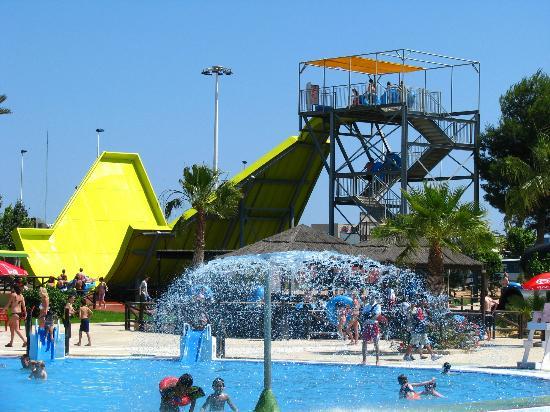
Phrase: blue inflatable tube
pixel 514 285
pixel 342 300
pixel 256 295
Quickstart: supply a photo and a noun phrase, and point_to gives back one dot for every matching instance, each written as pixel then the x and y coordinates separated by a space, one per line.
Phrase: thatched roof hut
pixel 389 251
pixel 301 237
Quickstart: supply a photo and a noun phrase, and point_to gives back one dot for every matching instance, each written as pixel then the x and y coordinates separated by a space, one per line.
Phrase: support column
pixel 241 224
pixel 476 160
pixel 404 156
pixel 291 217
pixel 331 175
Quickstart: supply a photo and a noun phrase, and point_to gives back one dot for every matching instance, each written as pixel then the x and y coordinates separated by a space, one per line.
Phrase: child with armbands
pixel 176 392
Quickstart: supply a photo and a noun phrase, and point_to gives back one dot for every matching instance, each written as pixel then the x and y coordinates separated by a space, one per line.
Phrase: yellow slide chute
pixel 113 224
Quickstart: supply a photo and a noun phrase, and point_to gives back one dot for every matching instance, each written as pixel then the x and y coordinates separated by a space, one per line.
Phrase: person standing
pixel 419 334
pixel 102 289
pixel 16 304
pixel 84 314
pixel 143 291
pixel 68 313
pixel 370 328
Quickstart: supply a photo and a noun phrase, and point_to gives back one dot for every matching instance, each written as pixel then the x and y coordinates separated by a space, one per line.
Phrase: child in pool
pixel 26 362
pixel 216 401
pixel 407 392
pixel 39 371
pixel 446 368
pixel 429 389
pixel 170 395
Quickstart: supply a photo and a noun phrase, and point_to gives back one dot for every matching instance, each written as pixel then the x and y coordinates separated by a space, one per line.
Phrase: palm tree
pixel 202 189
pixel 4 110
pixel 438 218
pixel 529 192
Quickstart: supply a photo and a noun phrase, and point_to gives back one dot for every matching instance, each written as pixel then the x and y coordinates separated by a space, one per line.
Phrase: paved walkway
pixel 110 339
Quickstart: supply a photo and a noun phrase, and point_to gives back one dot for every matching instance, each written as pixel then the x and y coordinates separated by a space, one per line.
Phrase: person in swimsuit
pixel 216 401
pixel 407 388
pixel 446 368
pixel 370 329
pixel 16 303
pixel 170 396
pixel 26 362
pixel 102 289
pixel 85 314
pixel 353 326
pixel 429 389
pixel 39 371
pixel 46 313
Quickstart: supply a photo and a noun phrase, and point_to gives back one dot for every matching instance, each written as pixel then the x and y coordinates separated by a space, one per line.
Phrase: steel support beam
pixel 476 160
pixel 404 156
pixel 331 176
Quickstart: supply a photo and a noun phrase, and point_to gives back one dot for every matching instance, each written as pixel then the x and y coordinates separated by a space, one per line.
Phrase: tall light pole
pixel 23 151
pixel 98 131
pixel 216 71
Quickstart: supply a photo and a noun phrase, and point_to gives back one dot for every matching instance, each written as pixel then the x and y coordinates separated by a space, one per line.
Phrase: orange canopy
pixel 364 65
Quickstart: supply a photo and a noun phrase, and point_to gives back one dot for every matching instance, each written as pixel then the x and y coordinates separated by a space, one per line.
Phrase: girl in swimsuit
pixel 16 303
pixel 353 326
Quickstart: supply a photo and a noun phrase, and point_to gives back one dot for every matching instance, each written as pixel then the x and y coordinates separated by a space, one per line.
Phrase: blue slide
pixel 42 347
pixel 196 345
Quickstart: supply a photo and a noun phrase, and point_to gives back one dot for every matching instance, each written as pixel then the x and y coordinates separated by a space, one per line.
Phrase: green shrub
pixel 58 300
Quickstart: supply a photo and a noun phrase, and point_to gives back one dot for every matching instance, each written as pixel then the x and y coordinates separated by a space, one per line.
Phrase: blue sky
pixel 133 69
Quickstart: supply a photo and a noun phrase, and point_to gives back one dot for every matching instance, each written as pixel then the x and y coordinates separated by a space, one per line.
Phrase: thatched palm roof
pixel 298 238
pixel 388 251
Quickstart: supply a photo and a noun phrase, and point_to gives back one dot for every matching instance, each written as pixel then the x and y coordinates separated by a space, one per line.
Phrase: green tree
pixel 438 217
pixel 11 218
pixel 203 189
pixel 518 239
pixel 4 110
pixel 520 139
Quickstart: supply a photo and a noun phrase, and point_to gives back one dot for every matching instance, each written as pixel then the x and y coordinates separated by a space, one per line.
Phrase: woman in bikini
pixel 16 303
pixel 353 326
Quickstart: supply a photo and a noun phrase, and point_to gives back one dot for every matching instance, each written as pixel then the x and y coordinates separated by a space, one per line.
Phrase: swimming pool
pixel 132 385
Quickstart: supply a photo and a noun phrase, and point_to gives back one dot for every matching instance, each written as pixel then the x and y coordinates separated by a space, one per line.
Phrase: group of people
pixel 176 392
pixel 406 390
pixel 365 315
pixel 79 284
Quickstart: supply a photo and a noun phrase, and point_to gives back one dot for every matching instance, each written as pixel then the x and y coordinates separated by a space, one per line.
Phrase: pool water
pixel 132 385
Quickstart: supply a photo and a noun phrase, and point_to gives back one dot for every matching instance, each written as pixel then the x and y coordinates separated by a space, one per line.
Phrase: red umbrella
pixel 539 282
pixel 7 269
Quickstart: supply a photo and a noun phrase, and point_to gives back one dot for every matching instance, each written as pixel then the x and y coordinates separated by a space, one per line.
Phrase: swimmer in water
pixel 182 388
pixel 39 371
pixel 216 401
pixel 446 368
pixel 407 388
pixel 26 362
pixel 429 389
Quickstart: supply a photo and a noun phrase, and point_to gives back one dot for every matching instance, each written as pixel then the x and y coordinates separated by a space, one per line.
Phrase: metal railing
pixel 317 98
pixel 136 314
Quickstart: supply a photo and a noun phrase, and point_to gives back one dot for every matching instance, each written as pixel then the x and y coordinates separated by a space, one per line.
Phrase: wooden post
pixel 140 316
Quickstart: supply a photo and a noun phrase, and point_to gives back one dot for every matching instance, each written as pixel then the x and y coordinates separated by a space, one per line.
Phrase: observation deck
pixel 424 105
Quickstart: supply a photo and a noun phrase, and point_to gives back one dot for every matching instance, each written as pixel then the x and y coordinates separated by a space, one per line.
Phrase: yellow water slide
pixel 113 225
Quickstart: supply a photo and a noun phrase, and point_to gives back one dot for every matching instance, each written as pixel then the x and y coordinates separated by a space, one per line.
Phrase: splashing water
pixel 228 293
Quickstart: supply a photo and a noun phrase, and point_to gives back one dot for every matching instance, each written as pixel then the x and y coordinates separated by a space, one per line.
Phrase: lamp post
pixel 216 71
pixel 23 151
pixel 98 131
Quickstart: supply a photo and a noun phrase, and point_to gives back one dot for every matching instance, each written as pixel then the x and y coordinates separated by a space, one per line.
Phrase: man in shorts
pixel 419 334
pixel 370 331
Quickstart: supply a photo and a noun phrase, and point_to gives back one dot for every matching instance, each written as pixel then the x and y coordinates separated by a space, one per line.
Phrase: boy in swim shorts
pixel 216 401
pixel 84 314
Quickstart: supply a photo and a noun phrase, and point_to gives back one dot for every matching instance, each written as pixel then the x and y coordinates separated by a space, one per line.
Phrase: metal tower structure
pixel 397 119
